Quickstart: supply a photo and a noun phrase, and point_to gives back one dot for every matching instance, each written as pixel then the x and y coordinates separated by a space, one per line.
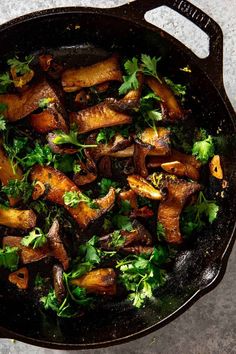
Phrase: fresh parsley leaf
pixel 141 275
pixel 142 201
pixel 148 110
pixel 39 155
pixel 130 80
pixel 5 82
pixel 76 167
pixel 204 149
pixel 3 107
pixel 105 184
pixel 178 89
pixel 2 123
pixel 195 216
pixel 105 135
pixel 70 138
pixel 64 310
pixel 117 240
pixel 125 207
pixel 64 163
pixel 9 258
pixel 21 67
pixel 18 189
pixel 73 198
pixel 35 239
pixel 13 150
pixel 149 65
pixel 122 222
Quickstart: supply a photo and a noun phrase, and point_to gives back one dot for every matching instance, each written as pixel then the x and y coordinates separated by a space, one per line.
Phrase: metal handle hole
pixel 181 28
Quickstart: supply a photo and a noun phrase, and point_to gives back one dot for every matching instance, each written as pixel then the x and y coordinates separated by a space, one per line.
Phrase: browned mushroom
pixel 129 196
pixel 56 245
pixel 157 161
pixel 144 212
pixel 99 281
pixel 140 152
pixel 45 61
pixel 18 219
pixel 98 116
pixel 39 189
pixel 105 167
pixel 82 99
pixel 21 105
pixel 87 174
pixel 20 278
pixel 170 209
pixel 138 250
pixel 130 100
pixel 86 76
pixel 182 170
pixel 48 120
pixel 58 284
pixel 27 254
pixel 58 184
pixel 7 173
pixel 171 108
pixel 141 187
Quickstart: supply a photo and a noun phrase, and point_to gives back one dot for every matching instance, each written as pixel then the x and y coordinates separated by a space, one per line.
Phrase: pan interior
pixel 82 39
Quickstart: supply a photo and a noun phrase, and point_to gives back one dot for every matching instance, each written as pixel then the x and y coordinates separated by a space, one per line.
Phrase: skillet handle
pixel 213 64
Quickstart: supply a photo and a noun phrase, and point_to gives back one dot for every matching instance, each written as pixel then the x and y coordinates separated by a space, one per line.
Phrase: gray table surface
pixel 209 326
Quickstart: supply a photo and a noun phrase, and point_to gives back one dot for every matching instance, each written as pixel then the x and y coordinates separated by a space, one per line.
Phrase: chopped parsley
pixel 204 149
pixel 21 67
pixel 9 258
pixel 73 198
pixel 35 239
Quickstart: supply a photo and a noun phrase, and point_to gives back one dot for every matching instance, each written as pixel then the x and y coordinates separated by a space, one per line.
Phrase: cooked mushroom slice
pixel 56 244
pixel 48 120
pixel 130 100
pixel 45 61
pixel 27 254
pixel 20 81
pixel 59 149
pixel 182 170
pixel 157 161
pixel 137 250
pixel 144 236
pixel 171 108
pixel 102 87
pixel 21 105
pixel 82 99
pixel 58 184
pixel 58 284
pixel 159 139
pixel 141 187
pixel 87 174
pixel 129 196
pixel 18 219
pixel 99 281
pixel 7 173
pixel 170 209
pixel 128 152
pixel 39 189
pixel 20 278
pixel 117 144
pixel 215 167
pixel 140 152
pixel 144 212
pixel 105 167
pixel 98 116
pixel 86 76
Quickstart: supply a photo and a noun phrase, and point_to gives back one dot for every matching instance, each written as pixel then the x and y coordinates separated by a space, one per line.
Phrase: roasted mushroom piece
pixel 56 245
pixel 58 284
pixel 170 209
pixel 18 219
pixel 58 184
pixel 27 254
pixel 143 188
pixel 20 278
pixel 7 173
pixel 48 120
pixel 99 281
pixel 171 108
pixel 98 116
pixel 87 76
pixel 21 105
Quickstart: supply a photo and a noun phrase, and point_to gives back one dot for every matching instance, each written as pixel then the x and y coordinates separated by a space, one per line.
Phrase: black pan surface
pixel 83 36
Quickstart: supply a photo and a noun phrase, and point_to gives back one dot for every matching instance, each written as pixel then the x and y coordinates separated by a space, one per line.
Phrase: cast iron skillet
pixel 201 265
